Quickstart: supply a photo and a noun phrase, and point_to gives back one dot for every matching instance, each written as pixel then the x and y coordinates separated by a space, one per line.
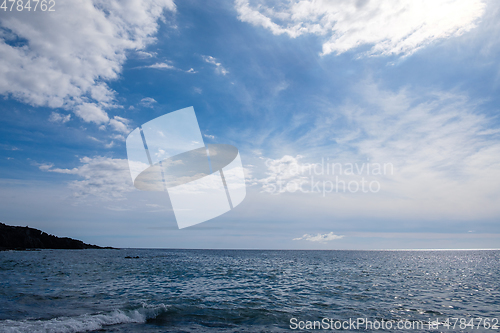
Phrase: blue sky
pixel 292 85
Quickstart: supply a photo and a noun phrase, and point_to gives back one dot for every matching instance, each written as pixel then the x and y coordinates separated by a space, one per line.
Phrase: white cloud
pixel 118 137
pixel 45 166
pixel 91 112
pixel 102 177
pixel 70 54
pixel 167 64
pixel 443 161
pixel 284 169
pixel 320 238
pixel 445 166
pixel 162 65
pixel 120 124
pixel 148 102
pixel 219 69
pixel 208 136
pixel 8 147
pixel 143 54
pixel 59 118
pixel 398 27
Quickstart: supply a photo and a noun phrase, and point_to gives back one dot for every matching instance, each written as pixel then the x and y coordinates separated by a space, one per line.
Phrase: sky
pixel 367 124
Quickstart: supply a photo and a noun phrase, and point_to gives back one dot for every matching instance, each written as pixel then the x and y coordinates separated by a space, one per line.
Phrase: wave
pixel 83 323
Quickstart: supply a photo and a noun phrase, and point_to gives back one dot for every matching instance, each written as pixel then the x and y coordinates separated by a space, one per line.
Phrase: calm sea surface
pixel 246 291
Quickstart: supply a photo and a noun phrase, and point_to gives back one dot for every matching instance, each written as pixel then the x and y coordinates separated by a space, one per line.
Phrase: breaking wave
pixel 83 323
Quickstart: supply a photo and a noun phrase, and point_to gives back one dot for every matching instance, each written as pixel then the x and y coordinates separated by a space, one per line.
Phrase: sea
pixel 156 290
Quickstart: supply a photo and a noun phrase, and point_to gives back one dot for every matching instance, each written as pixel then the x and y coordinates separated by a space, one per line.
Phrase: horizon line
pixel 255 249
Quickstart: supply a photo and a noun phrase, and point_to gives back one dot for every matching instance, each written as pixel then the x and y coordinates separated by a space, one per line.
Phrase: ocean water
pixel 247 291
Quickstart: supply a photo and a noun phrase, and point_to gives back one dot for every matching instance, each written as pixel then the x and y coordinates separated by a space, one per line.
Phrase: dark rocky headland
pixel 25 238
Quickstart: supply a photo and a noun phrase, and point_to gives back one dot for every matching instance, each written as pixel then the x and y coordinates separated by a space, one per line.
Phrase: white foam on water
pixel 83 323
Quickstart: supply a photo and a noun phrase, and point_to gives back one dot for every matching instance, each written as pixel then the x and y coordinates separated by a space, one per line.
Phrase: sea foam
pixel 83 323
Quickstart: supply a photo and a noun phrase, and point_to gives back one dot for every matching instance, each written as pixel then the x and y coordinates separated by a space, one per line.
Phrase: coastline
pixel 29 239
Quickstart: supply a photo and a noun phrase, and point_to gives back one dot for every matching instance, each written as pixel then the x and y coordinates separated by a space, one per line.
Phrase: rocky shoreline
pixel 26 238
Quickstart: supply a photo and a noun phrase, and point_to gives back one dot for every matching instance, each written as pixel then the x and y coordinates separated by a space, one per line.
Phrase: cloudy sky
pixel 361 124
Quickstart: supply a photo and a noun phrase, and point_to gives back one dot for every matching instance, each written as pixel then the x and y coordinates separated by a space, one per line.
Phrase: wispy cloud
pixel 219 69
pixel 320 238
pixel 444 151
pixel 284 169
pixel 103 177
pixel 3 146
pixel 169 65
pixel 162 65
pixel 143 54
pixel 148 102
pixel 59 118
pixel 110 145
pixel 398 27
pixel 120 124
